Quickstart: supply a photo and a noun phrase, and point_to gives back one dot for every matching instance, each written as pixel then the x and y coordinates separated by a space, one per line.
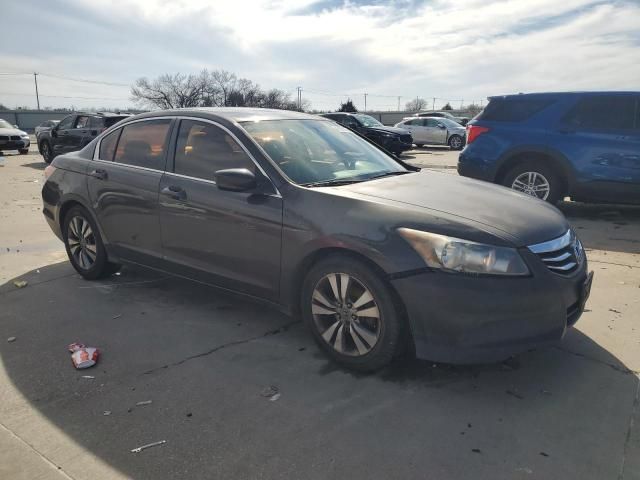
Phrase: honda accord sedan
pixel 302 213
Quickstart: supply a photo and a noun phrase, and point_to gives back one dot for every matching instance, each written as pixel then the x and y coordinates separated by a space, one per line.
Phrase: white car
pixel 434 131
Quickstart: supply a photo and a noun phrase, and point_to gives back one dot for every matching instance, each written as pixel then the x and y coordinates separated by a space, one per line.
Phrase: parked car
pixel 585 145
pixel 47 125
pixel 12 138
pixel 307 215
pixel 392 139
pixel 460 120
pixel 434 131
pixel 74 131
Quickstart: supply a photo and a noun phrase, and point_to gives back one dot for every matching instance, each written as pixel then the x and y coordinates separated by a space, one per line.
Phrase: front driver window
pixel 66 122
pixel 202 149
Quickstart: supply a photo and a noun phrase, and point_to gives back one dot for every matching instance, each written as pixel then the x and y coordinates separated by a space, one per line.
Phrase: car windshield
pixel 5 124
pixel 313 152
pixel 368 121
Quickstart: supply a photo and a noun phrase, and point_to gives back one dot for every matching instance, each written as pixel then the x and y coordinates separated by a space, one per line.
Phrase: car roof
pixel 556 94
pixel 236 114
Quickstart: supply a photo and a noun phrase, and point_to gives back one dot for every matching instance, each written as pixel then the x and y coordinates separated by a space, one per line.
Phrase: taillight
pixel 474 131
pixel 49 171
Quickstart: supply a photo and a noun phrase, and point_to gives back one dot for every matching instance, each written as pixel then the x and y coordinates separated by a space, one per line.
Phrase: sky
pixel 460 51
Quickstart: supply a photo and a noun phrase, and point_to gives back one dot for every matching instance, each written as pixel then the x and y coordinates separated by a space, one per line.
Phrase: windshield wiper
pixel 388 174
pixel 332 183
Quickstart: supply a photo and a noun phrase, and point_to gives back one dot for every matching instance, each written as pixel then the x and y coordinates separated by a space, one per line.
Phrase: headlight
pixel 26 136
pixel 457 255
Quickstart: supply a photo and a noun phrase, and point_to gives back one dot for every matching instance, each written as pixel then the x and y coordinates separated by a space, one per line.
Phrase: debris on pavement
pixel 106 413
pixel 476 450
pixel 90 377
pixel 145 402
pixel 189 414
pixel 149 445
pixel 75 346
pixel 20 283
pixel 544 454
pixel 116 316
pixel 275 397
pixel 615 311
pixel 11 339
pixel 269 391
pixel 83 356
pixel 525 470
pixel 514 394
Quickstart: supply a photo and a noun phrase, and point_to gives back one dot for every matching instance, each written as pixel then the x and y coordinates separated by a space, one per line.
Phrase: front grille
pixel 15 137
pixel 406 138
pixel 562 255
pixel 4 137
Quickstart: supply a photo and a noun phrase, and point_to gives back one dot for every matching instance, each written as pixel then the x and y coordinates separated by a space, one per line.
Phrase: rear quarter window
pixel 606 112
pixel 513 109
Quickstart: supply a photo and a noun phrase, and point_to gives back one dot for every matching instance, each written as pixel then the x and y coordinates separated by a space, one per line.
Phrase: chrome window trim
pixel 107 162
pixel 553 245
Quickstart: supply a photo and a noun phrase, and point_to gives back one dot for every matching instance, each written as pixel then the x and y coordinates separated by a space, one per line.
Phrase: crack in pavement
pixel 276 331
pixel 623 370
pixel 613 263
pixel 634 411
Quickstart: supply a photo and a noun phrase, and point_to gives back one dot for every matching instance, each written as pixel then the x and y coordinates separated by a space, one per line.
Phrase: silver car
pixel 434 131
pixel 12 138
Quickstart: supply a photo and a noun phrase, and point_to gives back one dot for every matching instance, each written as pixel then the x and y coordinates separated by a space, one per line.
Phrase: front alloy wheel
pixel 346 314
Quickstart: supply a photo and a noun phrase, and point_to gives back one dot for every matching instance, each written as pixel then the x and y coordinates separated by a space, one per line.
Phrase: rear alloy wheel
pixel 351 313
pixel 535 179
pixel 84 245
pixel 456 142
pixel 47 153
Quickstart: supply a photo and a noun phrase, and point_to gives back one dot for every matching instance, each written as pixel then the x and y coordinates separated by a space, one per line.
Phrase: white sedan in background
pixel 434 131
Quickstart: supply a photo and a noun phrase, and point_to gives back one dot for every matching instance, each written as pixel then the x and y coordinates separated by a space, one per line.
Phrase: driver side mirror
pixel 235 180
pixel 54 131
pixel 440 125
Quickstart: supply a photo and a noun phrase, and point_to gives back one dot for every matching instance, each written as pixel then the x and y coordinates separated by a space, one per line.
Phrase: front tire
pixel 456 142
pixel 46 151
pixel 351 313
pixel 536 179
pixel 84 245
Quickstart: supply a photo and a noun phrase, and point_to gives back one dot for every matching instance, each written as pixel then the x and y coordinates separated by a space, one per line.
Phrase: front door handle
pixel 99 174
pixel 175 192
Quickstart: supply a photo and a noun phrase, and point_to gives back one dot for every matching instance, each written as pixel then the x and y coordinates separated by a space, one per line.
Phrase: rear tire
pixel 536 179
pixel 456 142
pixel 84 245
pixel 24 151
pixel 351 313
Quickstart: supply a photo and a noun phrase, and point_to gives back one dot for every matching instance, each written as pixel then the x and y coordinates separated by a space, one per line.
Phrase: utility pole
pixel 365 102
pixel 299 98
pixel 461 103
pixel 433 106
pixel 399 102
pixel 35 79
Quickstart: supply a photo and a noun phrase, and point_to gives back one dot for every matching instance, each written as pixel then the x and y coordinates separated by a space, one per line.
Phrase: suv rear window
pixel 606 112
pixel 513 109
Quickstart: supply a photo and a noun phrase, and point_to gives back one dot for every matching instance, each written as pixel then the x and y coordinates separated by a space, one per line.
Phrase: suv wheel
pixel 84 245
pixel 456 142
pixel 47 152
pixel 351 313
pixel 535 179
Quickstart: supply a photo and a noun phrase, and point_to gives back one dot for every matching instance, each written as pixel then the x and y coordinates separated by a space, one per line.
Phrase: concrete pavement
pixel 204 359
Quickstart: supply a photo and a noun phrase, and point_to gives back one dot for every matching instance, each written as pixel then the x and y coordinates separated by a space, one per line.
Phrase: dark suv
pixel 74 132
pixel 585 145
pixel 392 139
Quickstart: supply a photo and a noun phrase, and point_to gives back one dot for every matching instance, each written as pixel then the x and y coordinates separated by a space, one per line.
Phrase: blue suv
pixel 585 145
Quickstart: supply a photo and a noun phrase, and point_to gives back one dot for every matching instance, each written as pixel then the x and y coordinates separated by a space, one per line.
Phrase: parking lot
pixel 207 361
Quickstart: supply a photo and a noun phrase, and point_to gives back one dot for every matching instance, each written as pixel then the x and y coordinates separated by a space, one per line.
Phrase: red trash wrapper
pixel 75 346
pixel 85 357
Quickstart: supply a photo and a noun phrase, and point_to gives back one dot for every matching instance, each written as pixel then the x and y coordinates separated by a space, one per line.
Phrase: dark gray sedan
pixel 307 215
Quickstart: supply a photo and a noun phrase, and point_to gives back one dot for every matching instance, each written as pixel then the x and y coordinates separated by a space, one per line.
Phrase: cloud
pixel 332 48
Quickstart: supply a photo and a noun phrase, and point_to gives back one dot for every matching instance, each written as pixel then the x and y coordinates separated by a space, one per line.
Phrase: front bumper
pixel 396 145
pixel 21 144
pixel 458 318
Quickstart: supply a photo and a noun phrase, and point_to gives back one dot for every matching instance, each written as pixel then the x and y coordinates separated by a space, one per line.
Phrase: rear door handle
pixel 175 192
pixel 99 174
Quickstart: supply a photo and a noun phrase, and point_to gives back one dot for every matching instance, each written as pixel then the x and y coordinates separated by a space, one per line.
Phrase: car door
pixel 230 239
pixel 601 134
pixel 123 182
pixel 435 131
pixel 60 136
pixel 77 134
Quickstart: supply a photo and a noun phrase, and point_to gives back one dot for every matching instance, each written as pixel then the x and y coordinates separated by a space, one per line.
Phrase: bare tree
pixel 347 106
pixel 472 108
pixel 170 91
pixel 416 105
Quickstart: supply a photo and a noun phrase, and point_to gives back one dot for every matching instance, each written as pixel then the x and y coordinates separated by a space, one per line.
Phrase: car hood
pixel 397 131
pixel 514 217
pixel 11 131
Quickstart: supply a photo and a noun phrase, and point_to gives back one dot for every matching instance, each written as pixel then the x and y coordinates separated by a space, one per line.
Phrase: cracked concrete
pixel 203 357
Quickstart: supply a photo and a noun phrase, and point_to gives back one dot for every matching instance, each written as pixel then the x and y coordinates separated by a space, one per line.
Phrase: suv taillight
pixel 474 131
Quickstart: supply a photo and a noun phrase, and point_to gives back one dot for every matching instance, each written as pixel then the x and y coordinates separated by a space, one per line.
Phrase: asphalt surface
pixel 210 363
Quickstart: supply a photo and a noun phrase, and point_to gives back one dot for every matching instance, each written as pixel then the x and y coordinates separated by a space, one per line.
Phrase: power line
pixel 63 96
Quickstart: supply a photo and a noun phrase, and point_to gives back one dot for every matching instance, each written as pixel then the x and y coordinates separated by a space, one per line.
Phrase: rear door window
pixel 202 149
pixel 605 112
pixel 82 122
pixel 143 144
pixel 108 146
pixel 513 109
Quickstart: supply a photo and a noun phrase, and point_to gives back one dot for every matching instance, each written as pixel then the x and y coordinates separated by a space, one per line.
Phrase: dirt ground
pixel 205 359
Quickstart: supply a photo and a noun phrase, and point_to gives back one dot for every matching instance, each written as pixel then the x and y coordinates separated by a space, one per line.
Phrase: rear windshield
pixel 513 109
